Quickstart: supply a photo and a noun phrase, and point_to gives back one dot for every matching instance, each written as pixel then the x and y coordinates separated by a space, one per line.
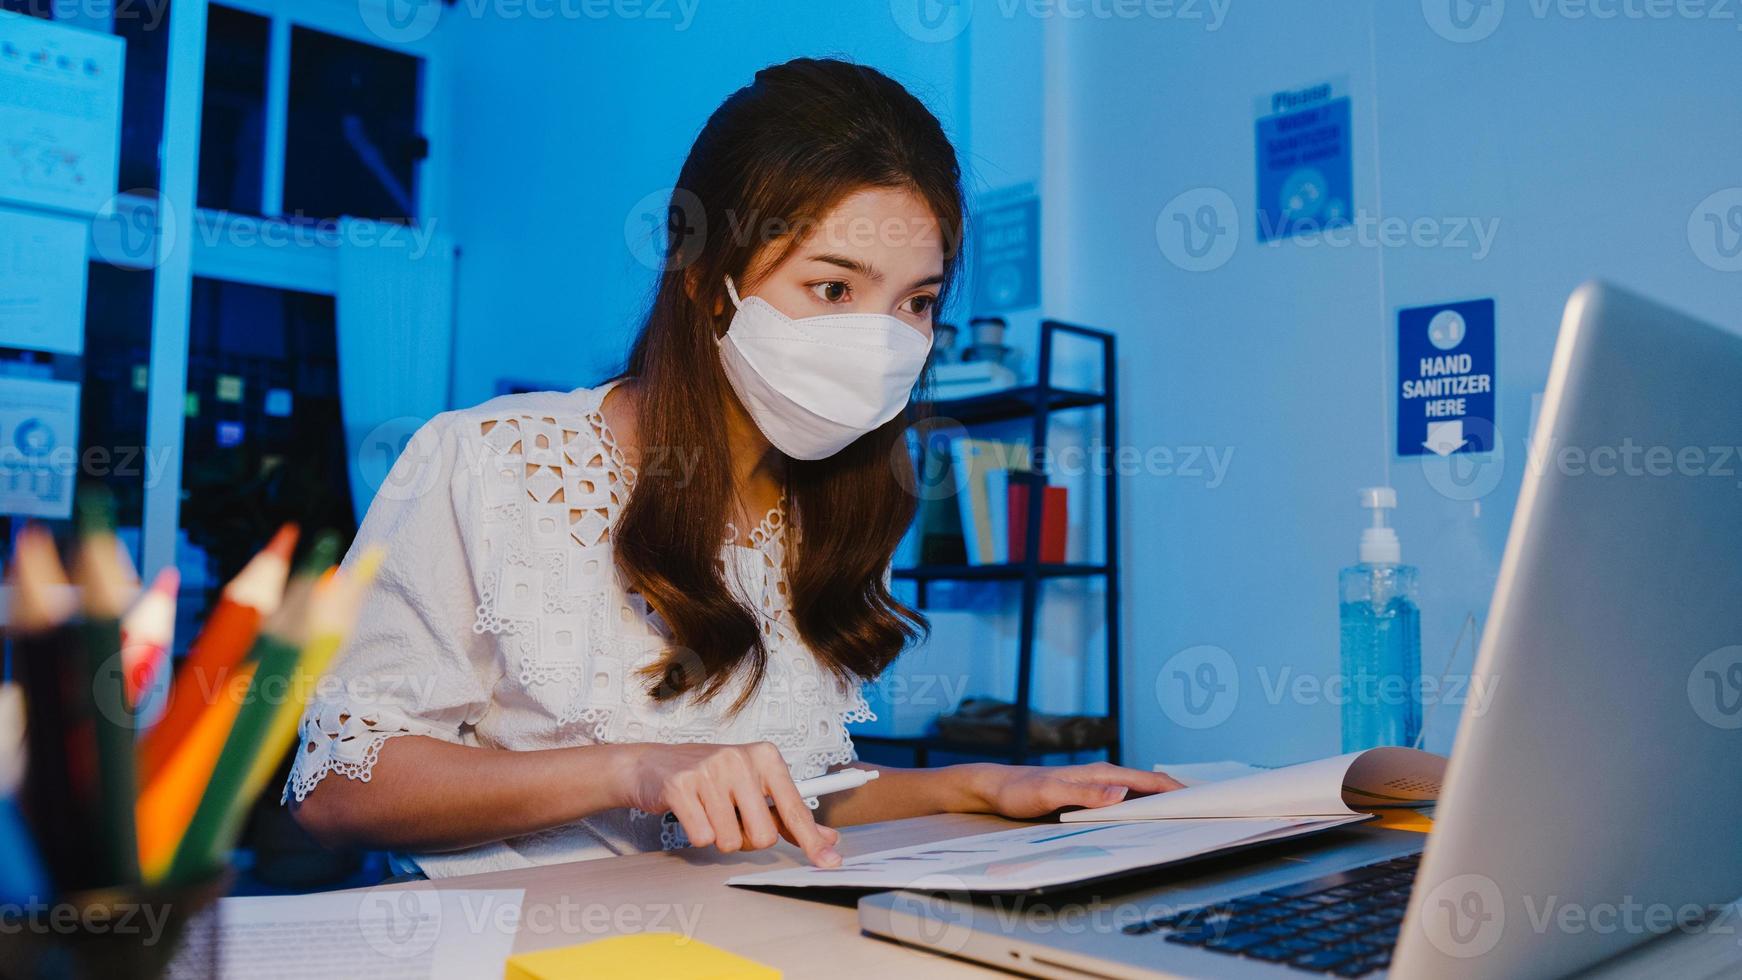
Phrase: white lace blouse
pixel 499 619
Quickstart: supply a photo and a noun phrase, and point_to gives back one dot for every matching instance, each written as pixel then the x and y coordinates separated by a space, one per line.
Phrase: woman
pixel 661 596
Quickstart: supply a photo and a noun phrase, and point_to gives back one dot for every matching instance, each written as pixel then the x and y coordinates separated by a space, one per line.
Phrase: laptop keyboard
pixel 1343 924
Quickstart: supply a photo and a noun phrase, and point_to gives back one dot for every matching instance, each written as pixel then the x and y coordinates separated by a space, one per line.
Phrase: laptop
pixel 1591 807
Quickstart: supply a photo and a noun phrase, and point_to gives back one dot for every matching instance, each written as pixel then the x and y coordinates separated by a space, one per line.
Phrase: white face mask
pixel 815 384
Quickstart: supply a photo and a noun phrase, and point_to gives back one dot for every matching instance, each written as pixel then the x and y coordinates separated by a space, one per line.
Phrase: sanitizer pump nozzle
pixel 1379 544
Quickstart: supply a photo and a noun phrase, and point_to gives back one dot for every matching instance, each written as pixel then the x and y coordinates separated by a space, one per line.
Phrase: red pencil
pixel 147 633
pixel 250 597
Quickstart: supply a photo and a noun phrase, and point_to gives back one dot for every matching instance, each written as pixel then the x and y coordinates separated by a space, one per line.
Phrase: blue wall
pixel 560 131
pixel 1582 145
pixel 1585 144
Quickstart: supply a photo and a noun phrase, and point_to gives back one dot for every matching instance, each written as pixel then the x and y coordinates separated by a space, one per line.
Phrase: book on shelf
pixel 1053 517
pixel 980 517
pixel 959 380
pixel 981 470
pixel 938 524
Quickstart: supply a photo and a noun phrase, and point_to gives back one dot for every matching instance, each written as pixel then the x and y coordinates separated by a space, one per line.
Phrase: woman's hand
pixel 720 794
pixel 1035 791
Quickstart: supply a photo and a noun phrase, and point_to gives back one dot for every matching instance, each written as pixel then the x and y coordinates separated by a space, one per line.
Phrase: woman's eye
pixel 831 292
pixel 921 305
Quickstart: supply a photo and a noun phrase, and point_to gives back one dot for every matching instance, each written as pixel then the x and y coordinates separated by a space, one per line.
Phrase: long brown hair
pixel 776 156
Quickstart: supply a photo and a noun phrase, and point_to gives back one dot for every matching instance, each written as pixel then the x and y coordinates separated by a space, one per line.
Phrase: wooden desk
pixel 686 891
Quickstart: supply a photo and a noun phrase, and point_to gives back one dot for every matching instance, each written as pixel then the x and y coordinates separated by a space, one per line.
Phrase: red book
pixel 1052 522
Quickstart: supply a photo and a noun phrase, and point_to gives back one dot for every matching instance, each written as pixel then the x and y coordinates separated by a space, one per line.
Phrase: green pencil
pixel 108 587
pixel 211 832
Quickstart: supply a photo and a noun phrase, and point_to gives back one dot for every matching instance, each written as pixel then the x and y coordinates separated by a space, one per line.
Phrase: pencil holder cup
pixel 124 933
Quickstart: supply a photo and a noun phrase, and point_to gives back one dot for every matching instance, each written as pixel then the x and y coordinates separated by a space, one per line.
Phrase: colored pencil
pixel 286 640
pixel 234 623
pixel 60 795
pixel 172 797
pixel 22 878
pixel 107 586
pixel 168 799
pixel 147 634
pixel 330 620
pixel 12 749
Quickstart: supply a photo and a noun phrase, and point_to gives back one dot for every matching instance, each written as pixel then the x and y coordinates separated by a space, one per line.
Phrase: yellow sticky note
pixel 634 957
pixel 1405 819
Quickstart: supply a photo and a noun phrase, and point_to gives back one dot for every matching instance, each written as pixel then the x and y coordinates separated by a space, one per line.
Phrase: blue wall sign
pixel 1007 256
pixel 1445 372
pixel 1306 182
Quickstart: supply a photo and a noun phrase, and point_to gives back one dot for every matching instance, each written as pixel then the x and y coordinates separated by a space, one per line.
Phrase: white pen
pixel 838 781
pixel 834 782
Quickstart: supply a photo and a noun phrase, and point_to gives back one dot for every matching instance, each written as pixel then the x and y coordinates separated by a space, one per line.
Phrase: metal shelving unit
pixel 1037 403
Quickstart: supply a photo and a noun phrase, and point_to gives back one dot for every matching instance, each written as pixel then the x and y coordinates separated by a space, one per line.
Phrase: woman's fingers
pixel 725 802
pixel 759 831
pixel 1068 793
pixel 722 816
pixel 694 820
pixel 801 824
pixel 1167 783
pixel 1140 780
pixel 831 836
pixel 1103 784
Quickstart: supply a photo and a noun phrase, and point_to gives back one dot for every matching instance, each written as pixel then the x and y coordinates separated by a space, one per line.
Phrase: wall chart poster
pixel 39 446
pixel 60 114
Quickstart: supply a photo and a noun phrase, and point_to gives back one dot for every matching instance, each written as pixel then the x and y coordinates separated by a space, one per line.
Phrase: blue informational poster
pixel 1007 256
pixel 1306 181
pixel 1445 373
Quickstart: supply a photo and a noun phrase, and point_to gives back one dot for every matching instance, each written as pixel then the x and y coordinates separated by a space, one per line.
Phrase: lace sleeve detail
pixel 336 739
pixel 411 665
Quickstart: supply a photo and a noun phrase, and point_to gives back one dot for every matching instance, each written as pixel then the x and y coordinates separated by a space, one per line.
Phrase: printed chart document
pixel 1043 856
pixel 39 442
pixel 1228 807
pixel 382 934
pixel 1338 786
pixel 60 113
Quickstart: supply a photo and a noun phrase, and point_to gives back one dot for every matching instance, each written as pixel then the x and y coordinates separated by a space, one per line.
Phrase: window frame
pixel 198 251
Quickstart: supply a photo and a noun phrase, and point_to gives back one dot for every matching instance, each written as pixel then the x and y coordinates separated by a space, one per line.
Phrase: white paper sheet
pixel 1193 773
pixel 1040 856
pixel 1336 786
pixel 382 934
pixel 42 282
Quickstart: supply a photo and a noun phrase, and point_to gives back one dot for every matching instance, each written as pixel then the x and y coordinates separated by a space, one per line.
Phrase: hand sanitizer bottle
pixel 1381 627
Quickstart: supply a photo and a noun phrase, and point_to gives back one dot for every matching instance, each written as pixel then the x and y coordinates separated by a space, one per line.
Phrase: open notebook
pixel 1144 833
pixel 1340 786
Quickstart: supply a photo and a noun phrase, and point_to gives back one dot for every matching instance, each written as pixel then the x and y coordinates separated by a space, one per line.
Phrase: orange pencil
pixel 251 596
pixel 257 739
pixel 147 633
pixel 171 797
pixel 167 802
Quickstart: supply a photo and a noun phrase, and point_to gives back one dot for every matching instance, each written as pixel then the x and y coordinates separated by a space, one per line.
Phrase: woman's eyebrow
pixel 850 264
pixel 868 271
